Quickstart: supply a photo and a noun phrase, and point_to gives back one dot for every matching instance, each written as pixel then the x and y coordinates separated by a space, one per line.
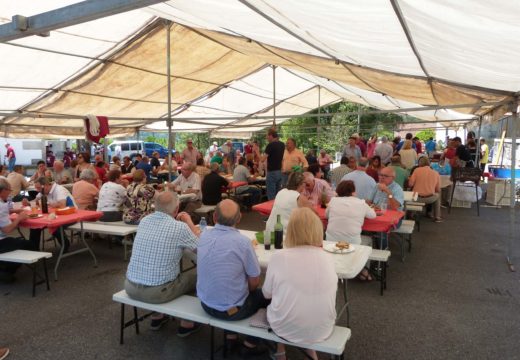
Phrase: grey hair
pixel 308 175
pixel 363 162
pixel 4 184
pixel 166 202
pixel 44 180
pixel 214 166
pixel 87 174
pixel 227 221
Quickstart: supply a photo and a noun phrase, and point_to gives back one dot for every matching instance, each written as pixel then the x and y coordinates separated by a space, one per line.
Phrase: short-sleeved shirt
pixel 191 155
pixel 337 174
pixel 225 261
pixel 58 193
pixel 241 173
pixel 138 202
pixel 17 182
pixel 191 182
pixel 274 151
pixel 364 184
pixel 212 188
pixel 400 175
pixel 354 152
pixel 463 153
pixel 157 250
pixel 154 162
pixel 379 197
pixel 10 152
pixel 111 197
pixel 147 168
pixel 217 159
pixel 127 169
pixel 4 218
pixel 430 146
pixel 425 181
pixel 62 177
pixel 385 152
pixel 321 187
pixel 84 193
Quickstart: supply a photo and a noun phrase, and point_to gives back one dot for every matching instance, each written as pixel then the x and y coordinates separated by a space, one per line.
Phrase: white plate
pixel 333 249
pixel 33 217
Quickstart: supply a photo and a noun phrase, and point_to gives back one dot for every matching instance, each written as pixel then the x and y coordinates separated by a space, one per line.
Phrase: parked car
pixel 133 147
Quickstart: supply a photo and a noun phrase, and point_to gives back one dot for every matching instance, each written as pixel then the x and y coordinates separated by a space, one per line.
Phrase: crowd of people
pixel 227 280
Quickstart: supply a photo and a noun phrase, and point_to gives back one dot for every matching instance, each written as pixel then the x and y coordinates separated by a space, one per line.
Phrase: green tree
pixel 426 134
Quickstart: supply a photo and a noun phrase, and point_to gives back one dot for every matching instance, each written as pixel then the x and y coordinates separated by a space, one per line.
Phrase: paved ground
pixel 453 298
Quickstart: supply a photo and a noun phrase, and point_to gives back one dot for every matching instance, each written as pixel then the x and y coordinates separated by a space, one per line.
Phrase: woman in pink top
pixel 84 192
pixel 301 282
pixel 371 146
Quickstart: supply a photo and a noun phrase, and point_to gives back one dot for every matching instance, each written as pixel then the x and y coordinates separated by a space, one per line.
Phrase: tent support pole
pixel 274 96
pixel 512 194
pixel 477 160
pixel 358 118
pixel 319 113
pixel 169 121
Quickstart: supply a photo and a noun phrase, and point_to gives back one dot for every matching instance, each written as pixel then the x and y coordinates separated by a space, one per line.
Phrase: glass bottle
pixel 278 233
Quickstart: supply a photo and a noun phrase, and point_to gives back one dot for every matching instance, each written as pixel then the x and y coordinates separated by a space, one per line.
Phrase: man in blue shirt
pixel 228 270
pixel 430 147
pixel 144 165
pixel 364 183
pixel 408 136
pixel 388 191
pixel 153 274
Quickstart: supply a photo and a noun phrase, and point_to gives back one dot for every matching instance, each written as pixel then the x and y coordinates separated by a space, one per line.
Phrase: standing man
pixel 484 150
pixel 325 161
pixel 351 149
pixel 11 158
pixel 364 184
pixel 430 146
pixel 274 154
pixel 292 157
pixel 384 150
pixel 153 274
pixel 190 154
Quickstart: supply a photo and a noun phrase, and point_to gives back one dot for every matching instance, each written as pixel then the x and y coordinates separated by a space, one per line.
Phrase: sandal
pixel 364 275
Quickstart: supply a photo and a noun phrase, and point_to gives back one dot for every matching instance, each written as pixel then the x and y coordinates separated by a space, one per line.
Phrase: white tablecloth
pixel 347 265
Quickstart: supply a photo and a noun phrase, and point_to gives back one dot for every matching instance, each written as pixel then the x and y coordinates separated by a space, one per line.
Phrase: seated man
pixel 17 182
pixel 60 174
pixel 212 186
pixel 7 243
pixel 364 184
pixel 242 173
pixel 144 165
pixel 228 270
pixel 343 169
pixel 57 197
pixel 153 274
pixel 427 183
pixel 188 183
pixel 316 190
pixel 401 174
pixel 388 191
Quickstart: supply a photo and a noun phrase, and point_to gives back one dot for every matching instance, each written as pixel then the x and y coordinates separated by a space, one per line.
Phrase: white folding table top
pixel 103 228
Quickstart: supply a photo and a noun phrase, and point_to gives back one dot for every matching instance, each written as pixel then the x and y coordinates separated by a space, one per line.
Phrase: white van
pixel 128 148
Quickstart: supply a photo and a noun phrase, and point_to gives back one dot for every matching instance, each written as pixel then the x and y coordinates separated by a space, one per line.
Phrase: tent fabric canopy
pixel 389 55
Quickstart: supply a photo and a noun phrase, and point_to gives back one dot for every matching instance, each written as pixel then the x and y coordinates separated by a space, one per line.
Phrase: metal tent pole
pixel 512 200
pixel 274 96
pixel 169 121
pixel 477 159
pixel 319 113
pixel 358 118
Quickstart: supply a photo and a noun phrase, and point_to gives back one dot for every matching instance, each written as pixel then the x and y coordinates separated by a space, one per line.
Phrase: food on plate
pixel 34 215
pixel 342 245
pixel 254 242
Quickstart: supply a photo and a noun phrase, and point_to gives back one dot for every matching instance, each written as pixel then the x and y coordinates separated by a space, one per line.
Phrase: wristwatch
pixel 390 196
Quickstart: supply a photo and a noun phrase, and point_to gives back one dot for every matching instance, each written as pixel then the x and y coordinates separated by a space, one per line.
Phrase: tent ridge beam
pixel 74 14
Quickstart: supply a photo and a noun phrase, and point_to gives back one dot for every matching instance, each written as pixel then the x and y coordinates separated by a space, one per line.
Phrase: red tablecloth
pixel 45 222
pixel 235 184
pixel 383 223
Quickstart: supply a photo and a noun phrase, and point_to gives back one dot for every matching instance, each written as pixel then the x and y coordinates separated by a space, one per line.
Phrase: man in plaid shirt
pixel 153 274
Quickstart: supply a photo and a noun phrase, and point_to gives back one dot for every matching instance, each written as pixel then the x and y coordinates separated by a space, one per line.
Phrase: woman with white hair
pixel 301 282
pixel 85 191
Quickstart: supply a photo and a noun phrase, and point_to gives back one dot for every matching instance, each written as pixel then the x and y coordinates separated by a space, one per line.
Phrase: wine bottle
pixel 278 233
pixel 45 207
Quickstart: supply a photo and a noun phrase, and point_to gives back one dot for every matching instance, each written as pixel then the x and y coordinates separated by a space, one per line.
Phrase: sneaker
pixel 156 324
pixel 3 353
pixel 184 332
pixel 438 220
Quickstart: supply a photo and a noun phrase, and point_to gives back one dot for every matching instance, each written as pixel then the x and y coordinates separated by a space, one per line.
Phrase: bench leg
pixel 136 320
pixel 380 266
pixel 46 273
pixel 37 278
pixel 122 324
pixel 345 307
pixel 212 343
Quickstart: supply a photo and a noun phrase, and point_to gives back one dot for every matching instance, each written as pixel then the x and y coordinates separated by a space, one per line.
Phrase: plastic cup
pixel 383 208
pixel 267 240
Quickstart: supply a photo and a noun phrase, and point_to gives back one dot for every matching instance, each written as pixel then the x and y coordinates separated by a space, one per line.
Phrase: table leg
pixel 60 255
pixel 345 307
pixel 87 246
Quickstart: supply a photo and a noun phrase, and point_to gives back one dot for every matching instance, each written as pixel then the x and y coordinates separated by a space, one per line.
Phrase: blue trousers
pixel 273 182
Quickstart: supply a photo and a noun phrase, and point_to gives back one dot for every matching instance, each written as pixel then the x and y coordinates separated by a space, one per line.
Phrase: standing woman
pixel 301 282
pixel 408 155
pixel 371 146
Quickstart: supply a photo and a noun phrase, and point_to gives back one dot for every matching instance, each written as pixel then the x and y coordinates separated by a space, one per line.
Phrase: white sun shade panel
pixel 473 42
pixel 39 70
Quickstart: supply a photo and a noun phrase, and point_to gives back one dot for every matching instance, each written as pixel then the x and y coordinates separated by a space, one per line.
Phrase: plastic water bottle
pixel 202 224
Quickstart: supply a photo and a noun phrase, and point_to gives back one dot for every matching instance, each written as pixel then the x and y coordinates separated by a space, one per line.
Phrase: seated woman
pixel 85 191
pixel 111 197
pixel 301 282
pixel 287 200
pixel 346 214
pixel 162 173
pixel 139 199
pixel 374 167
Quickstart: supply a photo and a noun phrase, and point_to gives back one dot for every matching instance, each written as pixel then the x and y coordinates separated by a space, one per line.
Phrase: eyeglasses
pixel 385 176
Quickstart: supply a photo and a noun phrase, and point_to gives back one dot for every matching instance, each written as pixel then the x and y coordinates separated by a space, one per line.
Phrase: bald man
pixel 388 191
pixel 153 274
pixel 228 271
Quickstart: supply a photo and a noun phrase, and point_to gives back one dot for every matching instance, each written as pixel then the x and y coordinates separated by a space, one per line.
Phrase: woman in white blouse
pixel 301 282
pixel 287 200
pixel 111 197
pixel 408 155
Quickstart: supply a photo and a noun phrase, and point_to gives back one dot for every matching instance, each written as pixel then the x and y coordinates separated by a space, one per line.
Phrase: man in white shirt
pixel 242 173
pixel 384 150
pixel 188 182
pixel 364 183
pixel 8 243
